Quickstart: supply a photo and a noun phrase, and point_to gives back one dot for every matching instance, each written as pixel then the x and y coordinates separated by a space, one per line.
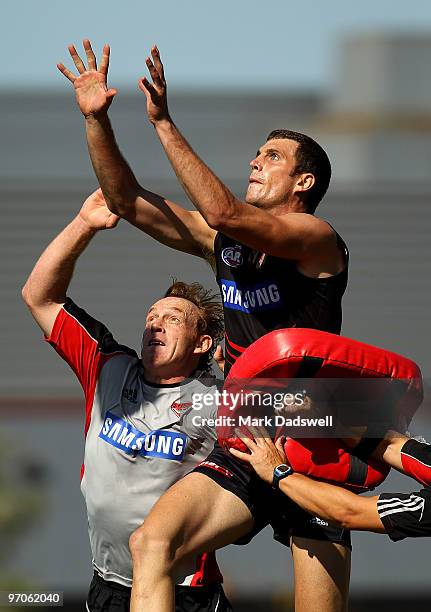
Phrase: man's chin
pixel 252 201
pixel 152 362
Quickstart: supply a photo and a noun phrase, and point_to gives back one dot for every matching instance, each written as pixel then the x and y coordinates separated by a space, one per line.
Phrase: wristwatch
pixel 281 471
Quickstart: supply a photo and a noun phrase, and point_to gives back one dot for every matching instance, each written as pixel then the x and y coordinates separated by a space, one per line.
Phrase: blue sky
pixel 228 43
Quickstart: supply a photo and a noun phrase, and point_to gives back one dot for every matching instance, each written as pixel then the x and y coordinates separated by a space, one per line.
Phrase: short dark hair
pixel 210 314
pixel 310 157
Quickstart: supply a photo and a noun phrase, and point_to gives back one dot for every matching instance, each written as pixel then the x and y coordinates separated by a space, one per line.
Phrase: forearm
pixel 163 220
pixel 388 449
pixel 115 176
pixel 414 457
pixel 51 276
pixel 329 502
pixel 210 196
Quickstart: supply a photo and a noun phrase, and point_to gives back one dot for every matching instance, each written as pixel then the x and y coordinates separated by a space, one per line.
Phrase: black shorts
pixel 266 505
pixel 406 515
pixel 107 596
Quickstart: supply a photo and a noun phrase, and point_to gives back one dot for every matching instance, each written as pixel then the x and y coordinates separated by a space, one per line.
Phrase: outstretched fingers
pixel 147 87
pixel 91 58
pixel 104 62
pixel 67 73
pixel 155 54
pixel 156 77
pixel 76 59
pixel 155 89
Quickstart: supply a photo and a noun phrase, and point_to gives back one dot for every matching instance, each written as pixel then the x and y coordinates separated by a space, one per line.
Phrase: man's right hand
pixel 92 93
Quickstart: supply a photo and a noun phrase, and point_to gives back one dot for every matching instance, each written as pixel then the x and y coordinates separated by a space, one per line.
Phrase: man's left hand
pixel 264 454
pixel 155 92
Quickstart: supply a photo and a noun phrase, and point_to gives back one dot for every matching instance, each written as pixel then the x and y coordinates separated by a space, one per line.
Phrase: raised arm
pixel 46 287
pixel 294 236
pixel 162 219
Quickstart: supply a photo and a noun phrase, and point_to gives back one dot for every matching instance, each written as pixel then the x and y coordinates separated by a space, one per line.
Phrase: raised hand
pixel 92 93
pixel 155 92
pixel 96 214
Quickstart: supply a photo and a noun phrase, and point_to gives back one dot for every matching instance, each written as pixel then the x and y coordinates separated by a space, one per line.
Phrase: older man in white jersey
pixel 140 427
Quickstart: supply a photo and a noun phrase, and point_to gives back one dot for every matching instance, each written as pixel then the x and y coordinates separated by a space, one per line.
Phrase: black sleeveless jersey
pixel 261 293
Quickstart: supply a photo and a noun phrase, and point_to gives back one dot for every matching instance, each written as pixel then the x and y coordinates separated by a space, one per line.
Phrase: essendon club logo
pixel 180 409
pixel 232 256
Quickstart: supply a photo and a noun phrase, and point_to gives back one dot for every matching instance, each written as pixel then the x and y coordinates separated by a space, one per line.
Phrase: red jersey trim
pixel 237 347
pixel 207 570
pixel 74 343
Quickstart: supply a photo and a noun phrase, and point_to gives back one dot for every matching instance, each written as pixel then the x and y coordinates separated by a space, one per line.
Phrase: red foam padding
pixel 329 460
pixel 280 353
pixel 287 347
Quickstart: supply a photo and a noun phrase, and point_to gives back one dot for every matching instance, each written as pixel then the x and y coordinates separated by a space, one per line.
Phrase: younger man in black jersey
pixel 277 265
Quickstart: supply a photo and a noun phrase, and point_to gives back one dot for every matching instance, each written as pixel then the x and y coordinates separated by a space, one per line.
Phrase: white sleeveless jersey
pixel 136 441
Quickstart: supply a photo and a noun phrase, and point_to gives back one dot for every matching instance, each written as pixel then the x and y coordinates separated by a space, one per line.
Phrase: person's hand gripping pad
pixel 294 353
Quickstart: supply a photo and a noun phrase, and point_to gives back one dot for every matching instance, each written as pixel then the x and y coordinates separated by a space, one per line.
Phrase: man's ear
pixel 305 182
pixel 203 344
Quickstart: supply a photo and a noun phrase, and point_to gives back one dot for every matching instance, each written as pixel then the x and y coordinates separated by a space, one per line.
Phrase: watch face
pixel 280 472
pixel 282 469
